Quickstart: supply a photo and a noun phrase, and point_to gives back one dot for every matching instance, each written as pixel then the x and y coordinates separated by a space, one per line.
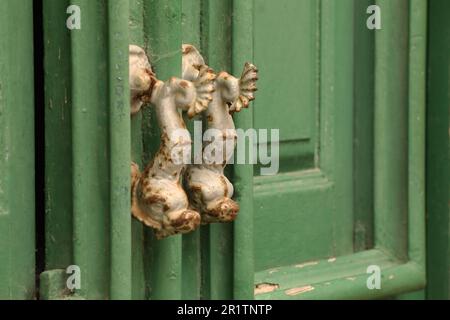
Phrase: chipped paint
pixel 299 290
pixel 262 288
pixel 274 271
pixel 307 264
pixel 3 211
pixel 331 260
pixel 3 198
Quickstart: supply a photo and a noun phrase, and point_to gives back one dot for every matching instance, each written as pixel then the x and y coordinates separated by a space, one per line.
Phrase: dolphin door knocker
pixel 209 190
pixel 158 199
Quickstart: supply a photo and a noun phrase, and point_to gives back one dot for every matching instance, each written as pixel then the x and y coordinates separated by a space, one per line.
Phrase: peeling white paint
pixel 300 290
pixel 273 271
pixel 3 211
pixel 262 288
pixel 307 264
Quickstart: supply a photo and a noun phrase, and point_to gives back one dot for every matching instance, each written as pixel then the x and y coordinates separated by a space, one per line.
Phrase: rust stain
pixel 184 84
pixel 187 49
pixel 155 198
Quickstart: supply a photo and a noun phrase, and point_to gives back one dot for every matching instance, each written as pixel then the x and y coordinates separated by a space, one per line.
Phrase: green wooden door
pixel 349 106
pixel 349 196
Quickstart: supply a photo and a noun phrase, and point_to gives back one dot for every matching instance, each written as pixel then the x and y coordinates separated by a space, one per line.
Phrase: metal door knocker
pixel 158 198
pixel 208 188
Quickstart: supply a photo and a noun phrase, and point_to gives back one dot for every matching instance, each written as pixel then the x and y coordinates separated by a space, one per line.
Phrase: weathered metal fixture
pixel 209 190
pixel 158 199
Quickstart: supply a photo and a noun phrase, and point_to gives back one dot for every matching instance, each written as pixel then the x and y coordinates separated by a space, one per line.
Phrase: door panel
pixel 306 92
pixel 287 47
pixel 332 260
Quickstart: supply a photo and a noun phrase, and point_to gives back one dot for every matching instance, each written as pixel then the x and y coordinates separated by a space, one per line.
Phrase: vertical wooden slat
pixel 244 264
pixel 58 139
pixel 191 264
pixel 363 128
pixel 438 162
pixel 119 133
pixel 416 133
pixel 17 233
pixel 336 103
pixel 137 38
pixel 216 40
pixel 90 150
pixel 416 142
pixel 391 151
pixel 163 29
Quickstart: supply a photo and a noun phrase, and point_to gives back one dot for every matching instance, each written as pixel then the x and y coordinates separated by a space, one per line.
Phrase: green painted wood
pixel 17 233
pixel 418 295
pixel 244 254
pixel 90 149
pixel 120 135
pixel 164 40
pixel 291 58
pixel 391 152
pixel 363 128
pixel 88 143
pixel 216 45
pixel 438 170
pixel 312 206
pixel 265 237
pixel 137 245
pixel 416 132
pixel 402 62
pixel 417 81
pixel 191 257
pixel 336 89
pixel 342 278
pixel 52 285
pixel 58 137
pixel 191 21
